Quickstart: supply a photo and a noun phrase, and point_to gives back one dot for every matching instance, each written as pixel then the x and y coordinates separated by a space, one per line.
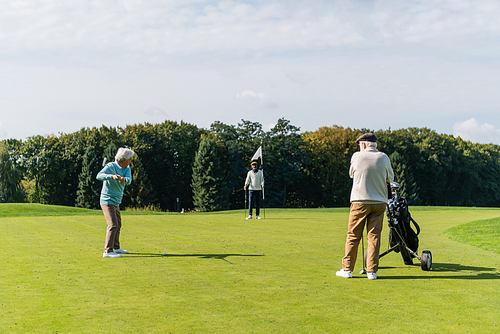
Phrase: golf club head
pixel 104 162
pixel 362 272
pixel 394 185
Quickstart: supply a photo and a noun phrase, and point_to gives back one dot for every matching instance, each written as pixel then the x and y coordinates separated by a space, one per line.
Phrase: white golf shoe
pixel 258 217
pixel 249 217
pixel 344 273
pixel 120 251
pixel 371 275
pixel 111 254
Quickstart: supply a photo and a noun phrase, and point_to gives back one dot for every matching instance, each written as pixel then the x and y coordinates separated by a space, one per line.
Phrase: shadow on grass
pixel 290 218
pixel 453 268
pixel 201 256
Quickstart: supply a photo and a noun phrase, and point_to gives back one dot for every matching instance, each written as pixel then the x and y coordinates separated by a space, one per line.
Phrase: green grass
pixel 224 274
pixel 483 234
pixel 34 210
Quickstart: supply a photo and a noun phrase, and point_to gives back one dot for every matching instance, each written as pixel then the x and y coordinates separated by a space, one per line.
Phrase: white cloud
pixel 261 98
pixel 403 63
pixel 251 94
pixel 472 131
pixel 218 26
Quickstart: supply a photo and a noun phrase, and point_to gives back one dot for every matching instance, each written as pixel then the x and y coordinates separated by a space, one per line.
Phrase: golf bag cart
pixel 402 238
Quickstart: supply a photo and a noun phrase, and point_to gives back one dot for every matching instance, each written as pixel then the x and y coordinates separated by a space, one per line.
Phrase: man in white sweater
pixel 371 171
pixel 254 180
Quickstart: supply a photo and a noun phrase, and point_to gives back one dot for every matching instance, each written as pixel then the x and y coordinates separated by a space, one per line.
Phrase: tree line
pixel 179 165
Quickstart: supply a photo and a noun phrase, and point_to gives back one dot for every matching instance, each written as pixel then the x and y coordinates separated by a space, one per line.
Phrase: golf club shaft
pixel 363 248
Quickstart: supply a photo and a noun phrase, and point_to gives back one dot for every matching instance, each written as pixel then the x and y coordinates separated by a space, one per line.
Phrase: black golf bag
pixel 402 216
pixel 402 237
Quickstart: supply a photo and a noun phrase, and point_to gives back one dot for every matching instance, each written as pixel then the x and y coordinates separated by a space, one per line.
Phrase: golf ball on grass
pixel 164 254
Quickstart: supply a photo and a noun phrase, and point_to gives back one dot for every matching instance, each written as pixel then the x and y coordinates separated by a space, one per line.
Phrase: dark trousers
pixel 254 194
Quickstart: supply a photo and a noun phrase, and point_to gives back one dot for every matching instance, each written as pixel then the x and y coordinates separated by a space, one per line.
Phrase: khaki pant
pixel 373 216
pixel 114 221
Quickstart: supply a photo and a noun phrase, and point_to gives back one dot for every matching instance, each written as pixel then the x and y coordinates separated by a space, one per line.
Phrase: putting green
pixel 224 274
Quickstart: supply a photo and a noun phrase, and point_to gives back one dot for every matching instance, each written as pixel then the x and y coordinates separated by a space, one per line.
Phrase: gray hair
pixel 124 153
pixel 370 144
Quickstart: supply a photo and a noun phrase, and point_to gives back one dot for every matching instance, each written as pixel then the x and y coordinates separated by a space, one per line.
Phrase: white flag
pixel 257 154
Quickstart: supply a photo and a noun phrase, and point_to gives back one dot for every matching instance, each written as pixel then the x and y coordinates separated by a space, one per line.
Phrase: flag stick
pixel 262 163
pixel 263 193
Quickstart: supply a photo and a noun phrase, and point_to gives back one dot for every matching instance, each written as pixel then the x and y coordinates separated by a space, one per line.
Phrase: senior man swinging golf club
pixel 371 171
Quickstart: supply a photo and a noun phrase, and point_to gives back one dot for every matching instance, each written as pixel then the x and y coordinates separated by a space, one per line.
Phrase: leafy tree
pixel 479 185
pixel 59 168
pixel 407 186
pixel 110 152
pixel 140 193
pixel 59 163
pixel 428 157
pixel 185 139
pixel 306 170
pixel 283 162
pixel 33 155
pixel 237 155
pixel 88 187
pixel 10 178
pixel 327 181
pixel 167 152
pixel 209 178
pixel 250 133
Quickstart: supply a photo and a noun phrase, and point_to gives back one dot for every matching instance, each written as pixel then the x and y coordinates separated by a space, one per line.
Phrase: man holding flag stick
pixel 255 183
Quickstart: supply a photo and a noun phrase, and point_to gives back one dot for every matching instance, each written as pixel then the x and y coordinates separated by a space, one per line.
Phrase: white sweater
pixel 371 171
pixel 255 180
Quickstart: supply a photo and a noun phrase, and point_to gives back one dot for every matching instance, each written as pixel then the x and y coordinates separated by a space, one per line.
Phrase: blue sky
pixel 360 64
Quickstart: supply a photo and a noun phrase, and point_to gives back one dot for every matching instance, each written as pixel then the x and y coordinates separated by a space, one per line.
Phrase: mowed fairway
pixel 224 274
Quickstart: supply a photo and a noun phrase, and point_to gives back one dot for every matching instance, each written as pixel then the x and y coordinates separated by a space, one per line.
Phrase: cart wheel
pixel 426 260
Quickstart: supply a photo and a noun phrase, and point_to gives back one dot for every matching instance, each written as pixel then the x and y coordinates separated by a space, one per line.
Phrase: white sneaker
pixel 258 217
pixel 120 251
pixel 344 273
pixel 111 254
pixel 372 275
pixel 249 217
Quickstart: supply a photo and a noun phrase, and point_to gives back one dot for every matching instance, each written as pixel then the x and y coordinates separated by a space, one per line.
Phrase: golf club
pixel 363 271
pixel 104 164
